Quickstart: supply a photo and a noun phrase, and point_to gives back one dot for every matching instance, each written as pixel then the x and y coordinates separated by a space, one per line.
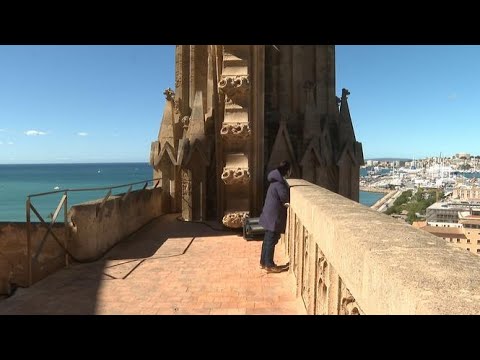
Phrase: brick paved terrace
pixel 168 267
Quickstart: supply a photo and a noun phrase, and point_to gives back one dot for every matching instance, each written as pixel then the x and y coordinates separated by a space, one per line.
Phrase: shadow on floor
pixel 75 290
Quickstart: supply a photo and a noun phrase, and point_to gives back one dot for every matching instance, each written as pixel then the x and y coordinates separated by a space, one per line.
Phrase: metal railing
pixel 63 203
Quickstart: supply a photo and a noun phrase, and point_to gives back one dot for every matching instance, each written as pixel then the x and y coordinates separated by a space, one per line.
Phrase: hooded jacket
pixel 274 213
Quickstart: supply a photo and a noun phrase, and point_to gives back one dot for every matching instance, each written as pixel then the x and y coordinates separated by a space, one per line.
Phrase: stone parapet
pixel 13 253
pixel 93 228
pixel 96 226
pixel 349 259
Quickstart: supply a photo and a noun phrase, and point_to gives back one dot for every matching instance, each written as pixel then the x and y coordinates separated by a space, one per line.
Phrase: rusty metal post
pixel 29 243
pixel 65 221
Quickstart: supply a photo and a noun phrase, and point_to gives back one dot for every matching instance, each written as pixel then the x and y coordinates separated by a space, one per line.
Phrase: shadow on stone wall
pixel 13 254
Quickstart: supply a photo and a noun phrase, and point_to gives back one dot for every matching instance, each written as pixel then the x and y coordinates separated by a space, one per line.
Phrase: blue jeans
pixel 268 248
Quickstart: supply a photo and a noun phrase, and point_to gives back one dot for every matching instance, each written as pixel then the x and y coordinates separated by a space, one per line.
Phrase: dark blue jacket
pixel 274 213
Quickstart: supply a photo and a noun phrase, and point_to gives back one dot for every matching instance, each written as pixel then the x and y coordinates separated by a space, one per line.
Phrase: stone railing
pixel 94 227
pixel 349 259
pixel 13 253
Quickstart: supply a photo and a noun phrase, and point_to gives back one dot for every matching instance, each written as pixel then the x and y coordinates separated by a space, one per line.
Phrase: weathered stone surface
pixel 384 266
pixel 13 253
pixel 96 226
pixel 267 103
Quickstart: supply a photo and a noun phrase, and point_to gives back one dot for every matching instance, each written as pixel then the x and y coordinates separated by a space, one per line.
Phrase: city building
pixel 470 221
pixel 444 214
pixel 462 155
pixel 465 192
pixel 457 223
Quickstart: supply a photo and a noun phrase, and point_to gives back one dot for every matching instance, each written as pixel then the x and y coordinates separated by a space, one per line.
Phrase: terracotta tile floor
pixel 167 267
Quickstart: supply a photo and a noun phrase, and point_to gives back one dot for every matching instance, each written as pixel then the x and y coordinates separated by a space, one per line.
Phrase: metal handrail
pixel 98 188
pixel 63 203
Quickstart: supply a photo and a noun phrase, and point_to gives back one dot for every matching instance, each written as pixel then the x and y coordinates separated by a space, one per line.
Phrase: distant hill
pixel 389 159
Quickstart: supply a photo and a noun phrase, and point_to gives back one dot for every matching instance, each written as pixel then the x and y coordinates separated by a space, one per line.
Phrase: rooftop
pixel 167 268
pixel 445 231
pixel 454 205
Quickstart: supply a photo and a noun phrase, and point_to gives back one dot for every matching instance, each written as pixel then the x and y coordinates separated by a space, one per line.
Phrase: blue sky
pixel 104 103
pixel 81 103
pixel 412 101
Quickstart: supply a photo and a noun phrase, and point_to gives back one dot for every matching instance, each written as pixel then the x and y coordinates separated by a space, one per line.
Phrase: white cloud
pixel 2 130
pixel 10 143
pixel 35 133
pixel 452 96
pixel 82 134
pixel 1 142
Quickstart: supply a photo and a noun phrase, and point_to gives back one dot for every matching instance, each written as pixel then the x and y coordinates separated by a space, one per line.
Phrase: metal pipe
pixel 65 210
pixel 29 243
pixel 94 189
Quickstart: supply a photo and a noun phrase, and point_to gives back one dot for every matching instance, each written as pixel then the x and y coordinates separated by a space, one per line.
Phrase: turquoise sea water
pixel 369 198
pixel 18 181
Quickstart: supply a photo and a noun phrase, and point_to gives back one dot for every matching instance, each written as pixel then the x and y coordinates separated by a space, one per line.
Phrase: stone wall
pixel 97 226
pixel 349 259
pixel 94 228
pixel 13 253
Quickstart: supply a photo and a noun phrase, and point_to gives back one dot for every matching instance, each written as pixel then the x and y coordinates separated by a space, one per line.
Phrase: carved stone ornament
pixel 321 302
pixel 236 176
pixel 348 305
pixel 185 122
pixel 186 183
pixel 234 220
pixel 234 86
pixel 169 94
pixel 235 132
pixel 309 85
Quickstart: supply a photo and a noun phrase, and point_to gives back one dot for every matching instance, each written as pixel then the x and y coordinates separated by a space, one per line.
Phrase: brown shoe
pixel 263 267
pixel 274 269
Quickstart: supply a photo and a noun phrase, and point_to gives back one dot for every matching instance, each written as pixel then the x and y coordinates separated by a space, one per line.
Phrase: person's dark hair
pixel 283 167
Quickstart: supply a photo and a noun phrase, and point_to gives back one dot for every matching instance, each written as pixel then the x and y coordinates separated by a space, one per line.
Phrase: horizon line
pixel 80 162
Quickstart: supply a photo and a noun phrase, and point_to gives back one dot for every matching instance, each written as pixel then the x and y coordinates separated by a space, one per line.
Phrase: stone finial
pixel 169 94
pixel 346 127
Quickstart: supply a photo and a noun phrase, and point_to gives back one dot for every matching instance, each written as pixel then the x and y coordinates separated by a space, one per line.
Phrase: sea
pixel 368 198
pixel 19 181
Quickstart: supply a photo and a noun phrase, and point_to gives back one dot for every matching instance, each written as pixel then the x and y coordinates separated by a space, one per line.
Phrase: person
pixel 274 215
